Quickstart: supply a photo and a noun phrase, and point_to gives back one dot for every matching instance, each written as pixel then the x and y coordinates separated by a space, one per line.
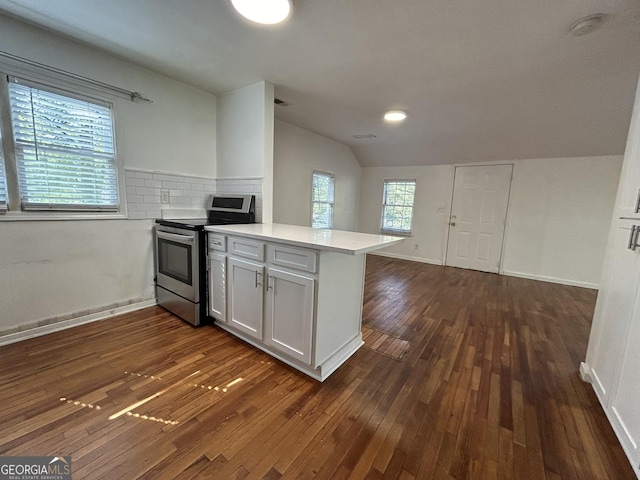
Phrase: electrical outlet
pixel 164 196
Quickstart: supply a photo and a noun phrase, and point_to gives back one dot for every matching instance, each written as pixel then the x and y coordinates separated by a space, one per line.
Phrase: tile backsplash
pixel 149 192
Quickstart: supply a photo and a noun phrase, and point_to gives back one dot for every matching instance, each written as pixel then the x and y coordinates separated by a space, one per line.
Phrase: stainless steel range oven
pixel 177 277
pixel 180 255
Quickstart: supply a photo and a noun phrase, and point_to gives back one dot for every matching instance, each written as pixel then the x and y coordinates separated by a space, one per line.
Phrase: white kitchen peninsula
pixel 294 292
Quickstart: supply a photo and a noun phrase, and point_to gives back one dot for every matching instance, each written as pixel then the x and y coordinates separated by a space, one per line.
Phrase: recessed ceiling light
pixel 267 12
pixel 395 116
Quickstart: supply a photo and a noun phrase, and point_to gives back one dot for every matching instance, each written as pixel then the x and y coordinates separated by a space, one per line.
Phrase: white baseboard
pixel 585 373
pixel 407 257
pixel 542 278
pixel 74 322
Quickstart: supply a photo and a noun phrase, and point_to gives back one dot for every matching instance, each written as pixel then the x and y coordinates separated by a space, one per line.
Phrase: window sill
pixel 396 233
pixel 54 216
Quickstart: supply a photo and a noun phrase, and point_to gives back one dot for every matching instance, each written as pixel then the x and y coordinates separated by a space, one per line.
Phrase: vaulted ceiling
pixel 480 80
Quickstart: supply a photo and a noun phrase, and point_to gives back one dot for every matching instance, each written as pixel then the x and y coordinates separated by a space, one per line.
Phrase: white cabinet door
pixel 615 307
pixel 218 286
pixel 289 313
pixel 245 296
pixel 625 398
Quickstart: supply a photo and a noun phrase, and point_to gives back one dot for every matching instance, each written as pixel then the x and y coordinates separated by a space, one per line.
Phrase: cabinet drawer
pixel 244 247
pixel 217 242
pixel 291 257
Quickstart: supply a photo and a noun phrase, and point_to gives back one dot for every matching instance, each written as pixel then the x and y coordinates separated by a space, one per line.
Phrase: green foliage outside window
pixel 397 210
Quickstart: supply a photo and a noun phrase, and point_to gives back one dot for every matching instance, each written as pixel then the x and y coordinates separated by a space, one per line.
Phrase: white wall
pixel 61 269
pixel 431 212
pixel 559 218
pixel 175 133
pixel 245 138
pixel 55 270
pixel 297 153
pixel 557 225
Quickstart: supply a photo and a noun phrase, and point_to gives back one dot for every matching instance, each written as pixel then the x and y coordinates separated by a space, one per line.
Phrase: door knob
pixel 453 224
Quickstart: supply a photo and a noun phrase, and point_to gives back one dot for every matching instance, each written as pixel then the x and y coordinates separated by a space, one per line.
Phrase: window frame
pixel 394 231
pixel 71 88
pixel 330 203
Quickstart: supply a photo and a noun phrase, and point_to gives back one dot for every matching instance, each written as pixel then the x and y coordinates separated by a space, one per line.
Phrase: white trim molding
pixel 407 257
pixel 542 278
pixel 74 322
pixel 585 373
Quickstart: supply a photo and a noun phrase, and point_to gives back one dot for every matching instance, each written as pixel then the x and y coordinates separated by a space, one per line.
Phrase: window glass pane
pixel 397 210
pixel 322 197
pixel 322 188
pixel 64 150
pixel 322 213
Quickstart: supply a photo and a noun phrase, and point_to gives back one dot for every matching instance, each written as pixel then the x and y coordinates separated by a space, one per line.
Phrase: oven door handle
pixel 175 237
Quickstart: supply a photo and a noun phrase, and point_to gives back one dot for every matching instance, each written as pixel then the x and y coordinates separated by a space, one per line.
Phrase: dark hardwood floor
pixel 488 388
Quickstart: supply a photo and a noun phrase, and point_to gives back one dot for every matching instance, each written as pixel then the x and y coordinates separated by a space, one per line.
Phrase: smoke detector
pixel 587 24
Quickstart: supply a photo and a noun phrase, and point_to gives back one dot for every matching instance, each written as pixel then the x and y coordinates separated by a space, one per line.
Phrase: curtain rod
pixel 134 96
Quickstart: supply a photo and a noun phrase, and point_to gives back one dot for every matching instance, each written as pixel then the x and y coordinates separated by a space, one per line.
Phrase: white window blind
pixel 3 182
pixel 322 194
pixel 397 209
pixel 64 150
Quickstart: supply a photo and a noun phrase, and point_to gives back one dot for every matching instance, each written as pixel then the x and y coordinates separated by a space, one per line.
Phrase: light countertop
pixel 351 243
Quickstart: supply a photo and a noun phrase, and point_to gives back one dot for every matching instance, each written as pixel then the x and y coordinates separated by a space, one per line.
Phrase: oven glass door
pixel 174 260
pixel 177 264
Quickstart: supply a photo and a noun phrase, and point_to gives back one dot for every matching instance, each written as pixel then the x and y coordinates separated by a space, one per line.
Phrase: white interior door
pixel 478 214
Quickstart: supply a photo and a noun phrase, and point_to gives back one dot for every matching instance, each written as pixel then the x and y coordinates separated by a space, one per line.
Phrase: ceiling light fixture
pixel 395 116
pixel 267 12
pixel 587 24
